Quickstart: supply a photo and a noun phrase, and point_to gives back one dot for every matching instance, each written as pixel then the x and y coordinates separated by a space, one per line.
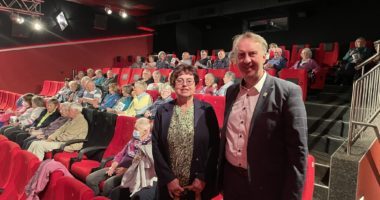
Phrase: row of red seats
pixel 50 88
pixel 8 100
pixel 21 166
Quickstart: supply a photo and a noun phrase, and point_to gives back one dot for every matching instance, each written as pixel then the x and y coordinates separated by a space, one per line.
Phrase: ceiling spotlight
pixel 123 14
pixel 17 18
pixel 108 10
pixel 37 25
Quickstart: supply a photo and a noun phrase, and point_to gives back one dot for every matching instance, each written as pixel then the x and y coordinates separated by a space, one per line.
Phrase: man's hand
pixel 175 189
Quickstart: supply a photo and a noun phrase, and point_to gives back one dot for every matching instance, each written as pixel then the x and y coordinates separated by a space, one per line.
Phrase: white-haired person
pixel 165 96
pixel 307 63
pixel 210 87
pixel 92 97
pixel 156 81
pixel 228 80
pixel 278 62
pixel 75 128
pixel 123 160
pixel 162 63
pixel 98 78
pixel 141 100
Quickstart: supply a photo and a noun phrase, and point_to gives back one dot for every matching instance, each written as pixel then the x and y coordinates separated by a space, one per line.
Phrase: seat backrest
pixel 7 153
pixel 124 76
pixel 14 106
pixel 297 76
pixel 271 71
pixel 165 73
pixel 105 70
pixel 53 88
pixel 49 191
pixel 328 54
pixel 136 73
pixel 68 188
pixel 45 88
pixel 218 103
pixel 154 94
pixel 11 101
pixel 4 100
pixel 123 133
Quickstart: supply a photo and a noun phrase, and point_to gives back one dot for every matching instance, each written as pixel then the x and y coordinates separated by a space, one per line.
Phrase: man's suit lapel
pixel 166 118
pixel 262 101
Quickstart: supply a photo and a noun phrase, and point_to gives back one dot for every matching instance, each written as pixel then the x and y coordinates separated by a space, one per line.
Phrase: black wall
pixel 323 21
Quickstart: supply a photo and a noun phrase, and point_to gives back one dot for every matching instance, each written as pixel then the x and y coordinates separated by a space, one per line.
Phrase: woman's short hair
pixel 53 101
pixel 211 75
pixel 99 71
pixel 38 101
pixel 183 69
pixel 141 84
pixel 142 123
pixel 28 98
pixel 114 87
pixel 307 52
pixel 64 105
pixel 128 89
pixel 76 106
pixel 249 35
pixel 165 86
pixel 73 84
pixel 160 53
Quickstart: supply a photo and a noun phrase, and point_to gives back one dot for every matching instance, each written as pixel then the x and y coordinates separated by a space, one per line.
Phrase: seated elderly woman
pixel 90 73
pixel 123 160
pixel 75 128
pixel 141 100
pixel 150 63
pixel 63 94
pixel 162 63
pixel 82 86
pixel 210 85
pixel 228 79
pixel 123 103
pixel 307 63
pixel 165 96
pixel 79 76
pixel 92 96
pixel 156 81
pixel 98 78
pixel 277 62
pixel 47 116
pixel 27 118
pixel 147 77
pixel 111 98
pixel 9 113
pixel 45 132
pixel 73 96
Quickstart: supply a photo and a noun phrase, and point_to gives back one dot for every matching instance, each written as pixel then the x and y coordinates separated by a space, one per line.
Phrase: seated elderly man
pixel 141 100
pixel 204 62
pixel 110 79
pixel 228 79
pixel 75 128
pixel 222 62
pixel 92 97
pixel 186 58
pixel 277 62
pixel 138 63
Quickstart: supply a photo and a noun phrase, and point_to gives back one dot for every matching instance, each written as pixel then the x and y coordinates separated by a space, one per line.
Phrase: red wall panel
pixel 369 174
pixel 24 69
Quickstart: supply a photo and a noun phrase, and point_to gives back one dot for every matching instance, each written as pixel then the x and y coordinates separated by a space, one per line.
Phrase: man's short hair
pixel 53 101
pixel 38 101
pixel 230 74
pixel 249 35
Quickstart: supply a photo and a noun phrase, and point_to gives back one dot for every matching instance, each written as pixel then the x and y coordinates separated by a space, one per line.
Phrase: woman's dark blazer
pixel 48 120
pixel 205 153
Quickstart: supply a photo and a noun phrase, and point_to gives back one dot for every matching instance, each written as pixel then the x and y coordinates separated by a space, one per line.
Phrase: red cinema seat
pixel 199 96
pixel 136 74
pixel 4 101
pixel 297 76
pixel 123 133
pixel 105 70
pixel 15 102
pixel 272 72
pixel 100 198
pixel 219 74
pixel 154 94
pixel 53 88
pixel 327 54
pixel 11 100
pixel 116 70
pixel 296 53
pixel 3 138
pixel 25 165
pixel 7 153
pixel 68 188
pixel 124 76
pixel 235 69
pixel 165 73
pixel 201 74
pixel 45 88
pixel 2 95
pixel 218 103
pixel 49 190
pixel 320 79
pixel 286 54
pixel 308 188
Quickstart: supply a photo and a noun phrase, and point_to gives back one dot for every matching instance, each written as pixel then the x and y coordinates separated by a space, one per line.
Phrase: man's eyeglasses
pixel 181 81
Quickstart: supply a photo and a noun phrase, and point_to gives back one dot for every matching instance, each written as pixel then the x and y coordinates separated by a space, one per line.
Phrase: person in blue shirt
pixel 111 98
pixel 277 62
pixel 123 103
pixel 98 78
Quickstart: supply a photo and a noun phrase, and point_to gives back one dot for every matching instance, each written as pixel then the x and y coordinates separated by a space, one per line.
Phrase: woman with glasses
pixel 185 142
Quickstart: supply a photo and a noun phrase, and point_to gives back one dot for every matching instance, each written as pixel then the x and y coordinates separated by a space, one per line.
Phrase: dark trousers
pixel 12 132
pixel 20 137
pixel 235 184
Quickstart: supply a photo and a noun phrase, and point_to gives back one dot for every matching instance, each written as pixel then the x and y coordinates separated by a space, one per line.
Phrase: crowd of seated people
pixel 157 81
pixel 9 114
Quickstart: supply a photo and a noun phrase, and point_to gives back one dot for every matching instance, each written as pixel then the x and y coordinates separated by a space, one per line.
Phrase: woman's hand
pixel 175 189
pixel 110 171
pixel 197 186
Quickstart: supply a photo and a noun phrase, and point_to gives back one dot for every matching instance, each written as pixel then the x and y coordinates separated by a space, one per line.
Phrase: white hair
pixel 76 106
